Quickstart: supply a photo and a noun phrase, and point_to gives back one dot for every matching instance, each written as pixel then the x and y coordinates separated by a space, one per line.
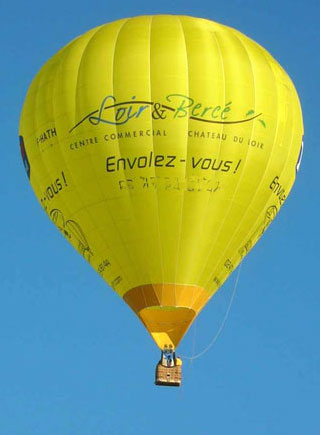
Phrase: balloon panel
pixel 162 148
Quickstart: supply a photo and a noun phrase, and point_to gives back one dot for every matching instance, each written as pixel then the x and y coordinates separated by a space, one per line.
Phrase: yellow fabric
pixel 162 147
pixel 167 325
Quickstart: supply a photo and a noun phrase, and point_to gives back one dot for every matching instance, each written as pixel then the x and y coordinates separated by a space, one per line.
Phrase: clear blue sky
pixel 74 359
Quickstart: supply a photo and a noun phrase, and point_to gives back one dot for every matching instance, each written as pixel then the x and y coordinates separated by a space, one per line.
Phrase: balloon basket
pixel 169 370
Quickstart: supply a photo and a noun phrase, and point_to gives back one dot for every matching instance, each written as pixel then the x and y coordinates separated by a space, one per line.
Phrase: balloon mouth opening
pixel 166 324
pixel 166 309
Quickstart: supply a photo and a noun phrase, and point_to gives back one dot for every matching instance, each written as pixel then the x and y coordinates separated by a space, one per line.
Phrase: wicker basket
pixel 168 376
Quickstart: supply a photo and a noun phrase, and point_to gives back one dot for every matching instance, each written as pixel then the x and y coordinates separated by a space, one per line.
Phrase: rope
pixel 222 325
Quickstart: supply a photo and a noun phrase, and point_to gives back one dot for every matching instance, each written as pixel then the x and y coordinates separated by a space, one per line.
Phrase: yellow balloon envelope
pixel 162 147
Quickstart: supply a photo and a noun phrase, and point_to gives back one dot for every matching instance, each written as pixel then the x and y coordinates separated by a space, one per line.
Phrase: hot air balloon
pixel 162 147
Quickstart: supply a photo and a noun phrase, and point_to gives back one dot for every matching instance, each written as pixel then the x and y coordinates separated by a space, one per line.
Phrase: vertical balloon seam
pixel 145 241
pixel 215 175
pixel 75 104
pixel 136 262
pixel 108 211
pixel 76 93
pixel 262 213
pixel 109 208
pixel 155 198
pixel 263 176
pixel 264 172
pixel 155 192
pixel 135 266
pixel 247 154
pixel 236 187
pixel 186 158
pixel 227 211
pixel 43 76
pixel 106 243
pixel 270 195
pixel 286 160
pixel 55 75
pixel 183 20
pixel 243 44
pixel 236 262
pixel 222 127
pixel 152 282
pixel 133 263
pixel 36 97
pixel 215 36
pixel 205 211
pixel 211 250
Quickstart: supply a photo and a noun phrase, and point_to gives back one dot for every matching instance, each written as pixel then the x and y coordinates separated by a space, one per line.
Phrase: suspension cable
pixel 223 322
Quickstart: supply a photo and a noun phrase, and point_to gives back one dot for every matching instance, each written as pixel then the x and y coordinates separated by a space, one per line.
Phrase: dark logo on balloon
pixel 113 112
pixel 24 156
